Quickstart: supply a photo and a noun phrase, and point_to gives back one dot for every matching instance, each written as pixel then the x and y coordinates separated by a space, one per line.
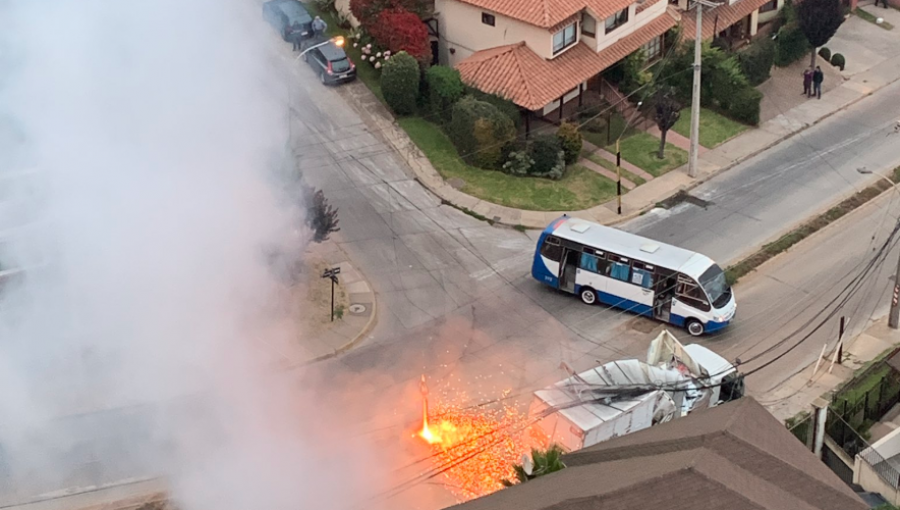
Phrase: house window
pixel 771 6
pixel 588 26
pixel 488 19
pixel 653 48
pixel 564 38
pixel 616 20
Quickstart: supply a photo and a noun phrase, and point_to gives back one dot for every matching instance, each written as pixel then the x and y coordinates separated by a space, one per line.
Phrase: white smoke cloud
pixel 137 342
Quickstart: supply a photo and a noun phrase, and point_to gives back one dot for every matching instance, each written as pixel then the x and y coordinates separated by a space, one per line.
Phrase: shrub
pixel 744 105
pixel 790 45
pixel 480 132
pixel 518 163
pixel 756 61
pixel 367 11
pixel 548 156
pixel 506 106
pixel 570 141
pixel 825 53
pixel 838 60
pixel 400 83
pixel 445 88
pixel 400 30
pixel 634 75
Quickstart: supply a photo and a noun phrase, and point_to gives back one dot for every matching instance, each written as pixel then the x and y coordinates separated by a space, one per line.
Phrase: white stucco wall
pixel 343 7
pixel 462 30
pixel 635 21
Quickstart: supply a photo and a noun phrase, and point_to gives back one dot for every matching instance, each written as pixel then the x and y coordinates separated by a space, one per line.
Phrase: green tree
pixel 480 132
pixel 445 88
pixel 571 141
pixel 542 462
pixel 668 110
pixel 819 20
pixel 400 83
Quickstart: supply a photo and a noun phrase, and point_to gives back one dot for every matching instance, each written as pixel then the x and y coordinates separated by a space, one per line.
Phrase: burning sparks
pixel 474 447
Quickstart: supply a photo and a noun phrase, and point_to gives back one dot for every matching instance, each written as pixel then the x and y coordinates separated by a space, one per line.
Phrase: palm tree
pixel 540 463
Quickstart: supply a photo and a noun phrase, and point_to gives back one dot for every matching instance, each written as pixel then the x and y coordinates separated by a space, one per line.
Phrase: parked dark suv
pixel 289 17
pixel 330 61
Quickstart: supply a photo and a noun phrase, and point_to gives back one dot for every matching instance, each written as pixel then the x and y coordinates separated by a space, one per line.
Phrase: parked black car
pixel 289 17
pixel 329 61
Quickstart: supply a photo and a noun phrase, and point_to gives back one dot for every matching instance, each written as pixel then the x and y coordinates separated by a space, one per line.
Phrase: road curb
pixel 366 329
pixel 435 183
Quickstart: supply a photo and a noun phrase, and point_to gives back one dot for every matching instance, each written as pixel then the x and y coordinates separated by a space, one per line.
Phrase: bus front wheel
pixel 695 327
pixel 588 296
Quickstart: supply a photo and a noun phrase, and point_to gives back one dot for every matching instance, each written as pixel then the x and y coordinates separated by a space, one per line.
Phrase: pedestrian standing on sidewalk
pixel 818 78
pixel 807 82
pixel 319 26
pixel 295 36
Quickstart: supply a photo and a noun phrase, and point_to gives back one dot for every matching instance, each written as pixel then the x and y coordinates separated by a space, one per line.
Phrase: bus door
pixel 567 269
pixel 642 276
pixel 663 292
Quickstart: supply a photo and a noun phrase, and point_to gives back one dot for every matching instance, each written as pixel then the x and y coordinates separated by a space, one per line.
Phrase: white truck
pixel 625 396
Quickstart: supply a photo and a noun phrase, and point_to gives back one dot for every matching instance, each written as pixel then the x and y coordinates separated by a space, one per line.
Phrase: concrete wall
pixel 463 33
pixel 766 17
pixel 866 476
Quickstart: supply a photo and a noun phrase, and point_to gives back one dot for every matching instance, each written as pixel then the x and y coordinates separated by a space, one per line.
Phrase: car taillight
pixel 329 71
pixel 352 65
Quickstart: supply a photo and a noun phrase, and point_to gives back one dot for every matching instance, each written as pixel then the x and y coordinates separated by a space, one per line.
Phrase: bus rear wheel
pixel 695 327
pixel 588 296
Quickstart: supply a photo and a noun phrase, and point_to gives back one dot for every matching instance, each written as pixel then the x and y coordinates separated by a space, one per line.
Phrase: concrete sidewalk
pixel 798 393
pixel 645 197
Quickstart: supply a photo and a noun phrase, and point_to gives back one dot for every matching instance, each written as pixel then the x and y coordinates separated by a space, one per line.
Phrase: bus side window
pixel 551 249
pixel 642 274
pixel 621 269
pixel 588 262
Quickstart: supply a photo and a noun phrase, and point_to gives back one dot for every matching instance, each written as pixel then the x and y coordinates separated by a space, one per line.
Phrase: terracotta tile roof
pixel 735 456
pixel 519 74
pixel 547 13
pixel 727 15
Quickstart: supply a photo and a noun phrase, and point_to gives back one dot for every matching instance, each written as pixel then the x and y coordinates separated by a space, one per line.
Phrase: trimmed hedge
pixel 548 156
pixel 445 88
pixel 757 59
pixel 481 133
pixel 790 45
pixel 825 53
pixel 744 105
pixel 506 106
pixel 838 60
pixel 400 83
pixel 570 141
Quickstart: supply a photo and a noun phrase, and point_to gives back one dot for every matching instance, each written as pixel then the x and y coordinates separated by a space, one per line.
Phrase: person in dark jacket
pixel 295 36
pixel 818 78
pixel 807 82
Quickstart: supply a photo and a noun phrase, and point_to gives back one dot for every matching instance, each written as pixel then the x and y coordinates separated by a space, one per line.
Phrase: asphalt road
pixel 456 301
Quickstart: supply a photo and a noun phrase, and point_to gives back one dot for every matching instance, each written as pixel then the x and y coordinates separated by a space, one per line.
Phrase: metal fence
pixel 885 470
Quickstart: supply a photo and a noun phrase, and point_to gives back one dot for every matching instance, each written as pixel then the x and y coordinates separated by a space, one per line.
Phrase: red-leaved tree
pixel 367 11
pixel 400 30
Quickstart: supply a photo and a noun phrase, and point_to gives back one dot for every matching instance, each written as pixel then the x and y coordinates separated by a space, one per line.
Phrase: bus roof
pixel 630 245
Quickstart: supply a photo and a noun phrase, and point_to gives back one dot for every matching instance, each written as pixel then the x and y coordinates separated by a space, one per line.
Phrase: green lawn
pixel 609 165
pixel 364 71
pixel 581 188
pixel 714 128
pixel 641 150
pixel 594 130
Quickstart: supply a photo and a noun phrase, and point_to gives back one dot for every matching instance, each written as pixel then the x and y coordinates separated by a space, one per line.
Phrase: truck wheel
pixel 588 296
pixel 695 327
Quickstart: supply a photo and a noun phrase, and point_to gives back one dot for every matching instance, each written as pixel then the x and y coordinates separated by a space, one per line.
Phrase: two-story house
pixel 543 53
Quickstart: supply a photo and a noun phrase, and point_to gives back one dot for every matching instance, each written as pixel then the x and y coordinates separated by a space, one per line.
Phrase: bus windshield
pixel 716 286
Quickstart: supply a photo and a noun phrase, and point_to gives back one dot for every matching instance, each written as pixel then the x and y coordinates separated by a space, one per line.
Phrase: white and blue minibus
pixel 606 265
